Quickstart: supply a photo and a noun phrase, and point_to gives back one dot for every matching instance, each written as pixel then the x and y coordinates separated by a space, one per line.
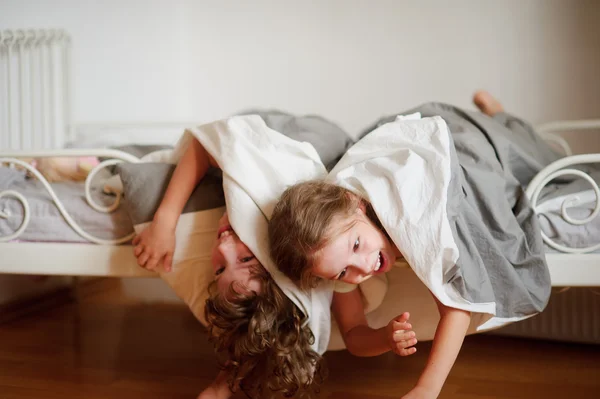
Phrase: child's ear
pixel 362 207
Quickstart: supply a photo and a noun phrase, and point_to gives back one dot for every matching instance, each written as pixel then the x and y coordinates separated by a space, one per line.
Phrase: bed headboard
pixel 35 89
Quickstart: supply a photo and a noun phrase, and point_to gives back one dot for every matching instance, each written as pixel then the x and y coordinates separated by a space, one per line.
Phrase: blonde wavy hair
pixel 266 351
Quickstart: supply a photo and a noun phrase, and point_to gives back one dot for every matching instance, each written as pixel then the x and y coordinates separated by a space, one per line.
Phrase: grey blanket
pixel 501 254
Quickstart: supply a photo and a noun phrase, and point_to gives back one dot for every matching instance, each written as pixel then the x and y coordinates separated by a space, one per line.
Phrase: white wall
pixel 351 61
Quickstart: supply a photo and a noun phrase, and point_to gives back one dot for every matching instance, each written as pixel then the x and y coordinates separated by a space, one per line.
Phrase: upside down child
pixel 267 331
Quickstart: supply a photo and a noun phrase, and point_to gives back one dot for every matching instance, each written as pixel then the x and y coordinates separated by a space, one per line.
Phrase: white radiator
pixel 573 315
pixel 35 89
pixel 35 114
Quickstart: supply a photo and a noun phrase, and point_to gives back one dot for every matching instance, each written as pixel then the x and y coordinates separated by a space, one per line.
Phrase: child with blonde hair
pixel 452 204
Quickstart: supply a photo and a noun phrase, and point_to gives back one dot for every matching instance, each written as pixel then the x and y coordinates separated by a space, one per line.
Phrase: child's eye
pixel 220 270
pixel 246 259
pixel 342 273
pixel 356 243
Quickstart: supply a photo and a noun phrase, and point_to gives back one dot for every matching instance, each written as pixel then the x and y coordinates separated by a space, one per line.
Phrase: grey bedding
pixel 501 255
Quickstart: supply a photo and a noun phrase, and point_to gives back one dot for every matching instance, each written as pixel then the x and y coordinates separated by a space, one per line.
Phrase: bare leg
pixel 487 103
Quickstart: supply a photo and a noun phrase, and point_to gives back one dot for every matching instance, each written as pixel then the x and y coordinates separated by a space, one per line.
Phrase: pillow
pixel 146 153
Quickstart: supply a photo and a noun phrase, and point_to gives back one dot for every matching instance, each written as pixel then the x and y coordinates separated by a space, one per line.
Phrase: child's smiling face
pixel 232 260
pixel 356 253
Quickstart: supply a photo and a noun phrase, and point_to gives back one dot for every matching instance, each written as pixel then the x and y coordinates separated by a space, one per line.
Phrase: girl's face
pixel 232 260
pixel 357 254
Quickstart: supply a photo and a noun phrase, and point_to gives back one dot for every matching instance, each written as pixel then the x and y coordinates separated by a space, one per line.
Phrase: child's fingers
pixel 168 263
pixel 138 250
pixel 403 318
pixel 152 262
pixel 401 326
pixel 405 351
pixel 406 344
pixel 136 240
pixel 143 258
pixel 402 335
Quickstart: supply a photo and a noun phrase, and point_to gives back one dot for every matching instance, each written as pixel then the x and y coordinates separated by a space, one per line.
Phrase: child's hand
pixel 401 338
pixel 154 247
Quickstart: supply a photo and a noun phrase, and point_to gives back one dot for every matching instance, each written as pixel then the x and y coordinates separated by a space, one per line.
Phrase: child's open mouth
pixel 224 231
pixel 379 262
pixel 382 265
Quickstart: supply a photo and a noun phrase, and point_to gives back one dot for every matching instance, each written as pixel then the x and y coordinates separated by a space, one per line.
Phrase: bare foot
pixel 487 103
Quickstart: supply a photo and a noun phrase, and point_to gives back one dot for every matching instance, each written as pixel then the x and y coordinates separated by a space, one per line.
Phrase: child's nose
pixel 227 251
pixel 363 266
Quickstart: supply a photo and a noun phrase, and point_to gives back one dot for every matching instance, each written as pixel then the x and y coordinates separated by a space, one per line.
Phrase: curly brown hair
pixel 266 349
pixel 305 212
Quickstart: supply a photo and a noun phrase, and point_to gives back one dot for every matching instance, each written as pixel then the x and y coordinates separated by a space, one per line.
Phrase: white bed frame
pixel 44 52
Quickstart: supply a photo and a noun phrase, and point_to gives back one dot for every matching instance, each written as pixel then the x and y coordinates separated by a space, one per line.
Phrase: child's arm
pixel 219 389
pixel 155 245
pixel 447 342
pixel 362 340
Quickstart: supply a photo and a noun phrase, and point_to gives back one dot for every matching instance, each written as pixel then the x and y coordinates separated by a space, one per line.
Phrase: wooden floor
pixel 105 345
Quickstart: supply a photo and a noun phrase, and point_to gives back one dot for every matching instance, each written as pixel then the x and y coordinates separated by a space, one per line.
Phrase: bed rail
pixel 12 159
pixel 563 167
